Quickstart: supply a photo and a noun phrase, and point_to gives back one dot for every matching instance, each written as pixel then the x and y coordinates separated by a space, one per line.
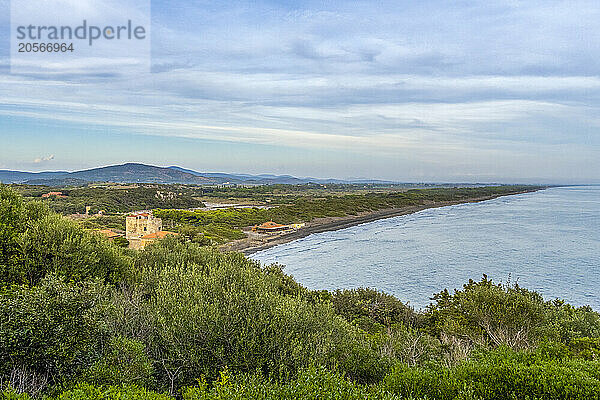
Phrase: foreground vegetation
pixel 83 319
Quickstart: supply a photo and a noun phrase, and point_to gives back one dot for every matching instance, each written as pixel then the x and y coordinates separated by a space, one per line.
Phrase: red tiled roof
pixel 139 215
pixel 57 194
pixel 271 226
pixel 159 235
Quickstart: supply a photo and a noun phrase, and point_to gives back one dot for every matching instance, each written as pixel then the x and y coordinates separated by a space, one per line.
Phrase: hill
pixel 125 173
pixel 142 173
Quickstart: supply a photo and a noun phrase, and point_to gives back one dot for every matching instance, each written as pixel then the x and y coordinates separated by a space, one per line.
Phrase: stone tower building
pixel 141 224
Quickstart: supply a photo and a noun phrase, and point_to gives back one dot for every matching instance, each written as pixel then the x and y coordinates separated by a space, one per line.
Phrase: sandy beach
pixel 256 242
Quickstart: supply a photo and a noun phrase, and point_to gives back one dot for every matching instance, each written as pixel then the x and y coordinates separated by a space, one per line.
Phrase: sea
pixel 547 241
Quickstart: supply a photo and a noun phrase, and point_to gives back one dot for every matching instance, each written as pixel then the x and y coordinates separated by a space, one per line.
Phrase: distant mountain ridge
pixel 142 173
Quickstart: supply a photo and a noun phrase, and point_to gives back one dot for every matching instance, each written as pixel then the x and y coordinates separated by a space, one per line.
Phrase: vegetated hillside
pixel 125 173
pixel 132 172
pixel 113 199
pixel 142 173
pixel 270 179
pixel 83 319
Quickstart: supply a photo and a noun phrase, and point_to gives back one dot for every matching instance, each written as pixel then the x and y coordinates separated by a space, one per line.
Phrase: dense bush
pixel 485 312
pixel 124 362
pixel 119 392
pixel 566 323
pixel 15 217
pixel 205 310
pixel 51 332
pixel 36 242
pixel 312 383
pixel 367 306
pixel 54 244
pixel 500 375
pixel 508 315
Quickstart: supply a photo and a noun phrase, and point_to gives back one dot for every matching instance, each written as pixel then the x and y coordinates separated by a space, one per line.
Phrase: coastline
pixel 255 243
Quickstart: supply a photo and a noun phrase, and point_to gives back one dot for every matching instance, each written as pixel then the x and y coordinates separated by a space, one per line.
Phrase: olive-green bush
pixel 36 242
pixel 500 375
pixel 50 333
pixel 205 310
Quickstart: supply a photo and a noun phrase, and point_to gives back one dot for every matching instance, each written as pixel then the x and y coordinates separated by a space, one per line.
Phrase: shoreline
pixel 255 243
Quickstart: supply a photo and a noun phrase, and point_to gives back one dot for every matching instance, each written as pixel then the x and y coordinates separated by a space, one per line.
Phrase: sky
pixel 435 91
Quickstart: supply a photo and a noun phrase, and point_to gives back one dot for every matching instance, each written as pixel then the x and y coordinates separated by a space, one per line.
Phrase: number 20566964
pixel 45 47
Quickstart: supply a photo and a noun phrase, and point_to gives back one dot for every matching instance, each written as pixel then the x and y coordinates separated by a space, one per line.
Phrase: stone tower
pixel 138 225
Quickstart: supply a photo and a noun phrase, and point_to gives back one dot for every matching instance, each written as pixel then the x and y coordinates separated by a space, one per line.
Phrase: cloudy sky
pixel 504 91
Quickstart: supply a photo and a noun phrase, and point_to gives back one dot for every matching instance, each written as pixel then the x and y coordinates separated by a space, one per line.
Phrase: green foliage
pixel 566 323
pixel 206 310
pixel 124 362
pixel 120 392
pixel 587 348
pixel 11 394
pixel 115 198
pixel 80 314
pixel 15 218
pixel 52 331
pixel 487 313
pixel 216 233
pixel 104 222
pixel 313 383
pixel 484 312
pixel 54 244
pixel 500 375
pixel 37 242
pixel 120 241
pixel 367 306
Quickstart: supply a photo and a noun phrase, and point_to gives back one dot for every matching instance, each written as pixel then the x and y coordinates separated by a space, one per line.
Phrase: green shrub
pixel 55 244
pixel 120 241
pixel 500 375
pixel 11 394
pixel 587 348
pixel 51 332
pixel 566 323
pixel 123 362
pixel 123 392
pixel 206 310
pixel 15 218
pixel 314 383
pixel 377 307
pixel 36 242
pixel 485 313
pixel 107 323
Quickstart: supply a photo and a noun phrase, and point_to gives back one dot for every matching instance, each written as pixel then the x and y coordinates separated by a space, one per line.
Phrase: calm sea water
pixel 548 241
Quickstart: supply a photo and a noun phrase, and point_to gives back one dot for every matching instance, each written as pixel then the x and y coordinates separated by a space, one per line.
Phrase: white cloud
pixel 44 159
